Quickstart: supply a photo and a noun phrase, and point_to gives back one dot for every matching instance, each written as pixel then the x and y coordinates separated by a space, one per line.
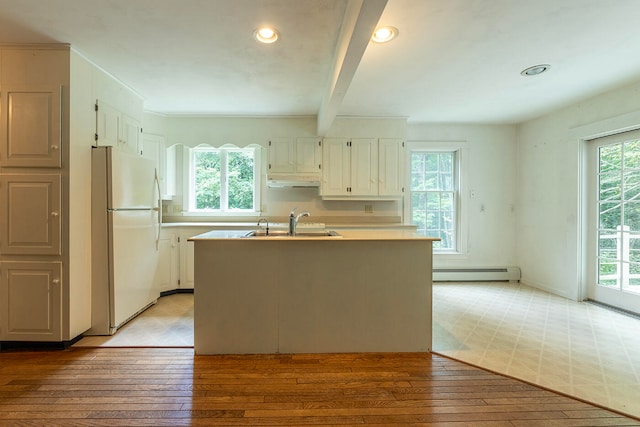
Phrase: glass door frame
pixel 615 296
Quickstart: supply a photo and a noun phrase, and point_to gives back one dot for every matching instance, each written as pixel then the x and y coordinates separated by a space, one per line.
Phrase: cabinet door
pixel 166 276
pixel 30 214
pixel 187 256
pixel 308 155
pixel 390 167
pixel 107 125
pixel 31 134
pixel 153 148
pixel 282 155
pixel 189 278
pixel 335 167
pixel 31 301
pixel 130 135
pixel 364 167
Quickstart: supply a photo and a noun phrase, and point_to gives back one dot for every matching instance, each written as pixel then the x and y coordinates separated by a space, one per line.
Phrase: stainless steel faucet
pixel 264 221
pixel 293 220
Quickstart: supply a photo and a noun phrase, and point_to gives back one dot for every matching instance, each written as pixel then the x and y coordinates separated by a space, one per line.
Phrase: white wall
pixel 153 123
pixel 549 243
pixel 81 132
pixel 490 171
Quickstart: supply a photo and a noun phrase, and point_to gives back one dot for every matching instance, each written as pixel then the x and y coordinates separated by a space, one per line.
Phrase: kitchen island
pixel 362 291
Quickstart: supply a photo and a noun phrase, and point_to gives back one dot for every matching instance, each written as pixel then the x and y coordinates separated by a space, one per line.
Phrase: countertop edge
pixel 380 235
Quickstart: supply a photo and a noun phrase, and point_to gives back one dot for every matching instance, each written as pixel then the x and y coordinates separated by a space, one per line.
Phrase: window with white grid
pixel 434 196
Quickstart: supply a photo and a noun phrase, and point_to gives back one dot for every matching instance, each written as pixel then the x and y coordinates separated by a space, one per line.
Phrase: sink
pixel 283 233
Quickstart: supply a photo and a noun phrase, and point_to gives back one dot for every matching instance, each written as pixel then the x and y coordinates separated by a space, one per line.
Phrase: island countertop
pixel 345 235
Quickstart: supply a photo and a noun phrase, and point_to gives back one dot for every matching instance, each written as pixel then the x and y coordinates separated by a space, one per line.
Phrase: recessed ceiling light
pixel 384 34
pixel 535 70
pixel 266 35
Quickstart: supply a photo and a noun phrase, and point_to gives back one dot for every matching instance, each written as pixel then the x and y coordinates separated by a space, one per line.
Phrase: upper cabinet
pixel 362 168
pixel 282 155
pixel 336 170
pixel 308 155
pixel 116 129
pixel 390 167
pixel 107 125
pixel 153 147
pixel 30 133
pixel 295 155
pixel 130 134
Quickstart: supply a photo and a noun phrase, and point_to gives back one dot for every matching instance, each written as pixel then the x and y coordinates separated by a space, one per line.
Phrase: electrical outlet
pixel 368 209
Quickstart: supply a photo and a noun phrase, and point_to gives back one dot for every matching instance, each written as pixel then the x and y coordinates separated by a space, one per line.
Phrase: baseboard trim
pixel 176 291
pixel 614 308
pixel 37 345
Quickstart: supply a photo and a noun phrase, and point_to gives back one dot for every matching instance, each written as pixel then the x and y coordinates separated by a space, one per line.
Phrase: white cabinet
pixel 390 167
pixel 31 303
pixel 107 125
pixel 168 273
pixel 129 134
pixel 295 155
pixel 30 216
pixel 175 263
pixel 282 155
pixel 308 155
pixel 336 168
pixel 35 124
pixel 350 167
pixel 115 129
pixel 362 168
pixel 153 148
pixel 30 133
pixel 187 260
pixel 186 255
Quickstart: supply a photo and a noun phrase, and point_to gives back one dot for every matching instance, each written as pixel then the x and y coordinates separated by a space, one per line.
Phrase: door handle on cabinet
pixel 55 281
pixel 54 214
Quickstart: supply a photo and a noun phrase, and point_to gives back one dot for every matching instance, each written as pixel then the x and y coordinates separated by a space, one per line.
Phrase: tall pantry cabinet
pixel 45 183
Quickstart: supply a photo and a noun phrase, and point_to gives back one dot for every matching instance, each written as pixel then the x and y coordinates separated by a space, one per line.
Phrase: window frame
pixel 224 209
pixel 459 148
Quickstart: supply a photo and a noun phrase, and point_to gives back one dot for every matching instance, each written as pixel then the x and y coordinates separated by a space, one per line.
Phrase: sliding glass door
pixel 614 220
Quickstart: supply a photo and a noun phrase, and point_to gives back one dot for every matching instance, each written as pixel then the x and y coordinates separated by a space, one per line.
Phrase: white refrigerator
pixel 126 212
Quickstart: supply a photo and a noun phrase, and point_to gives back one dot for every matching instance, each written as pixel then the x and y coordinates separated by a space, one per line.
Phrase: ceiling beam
pixel 360 20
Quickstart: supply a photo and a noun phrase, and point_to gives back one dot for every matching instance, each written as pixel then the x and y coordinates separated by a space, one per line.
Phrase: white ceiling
pixel 454 61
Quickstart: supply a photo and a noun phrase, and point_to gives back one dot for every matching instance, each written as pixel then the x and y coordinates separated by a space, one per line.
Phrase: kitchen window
pixel 434 196
pixel 223 180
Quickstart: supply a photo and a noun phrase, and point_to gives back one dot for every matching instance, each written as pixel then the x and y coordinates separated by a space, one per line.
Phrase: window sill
pixel 219 214
pixel 449 255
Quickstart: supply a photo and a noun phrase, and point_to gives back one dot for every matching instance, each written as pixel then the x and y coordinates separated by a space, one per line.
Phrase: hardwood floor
pixel 171 386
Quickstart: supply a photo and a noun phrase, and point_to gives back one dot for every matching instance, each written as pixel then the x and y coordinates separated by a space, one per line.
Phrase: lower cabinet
pixel 187 259
pixel 168 270
pixel 175 263
pixel 30 301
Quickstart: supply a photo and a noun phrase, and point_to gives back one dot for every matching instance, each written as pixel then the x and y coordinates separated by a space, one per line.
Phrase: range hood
pixel 292 180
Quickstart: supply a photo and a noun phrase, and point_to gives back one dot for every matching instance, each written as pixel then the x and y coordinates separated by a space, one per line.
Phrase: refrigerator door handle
pixel 158 208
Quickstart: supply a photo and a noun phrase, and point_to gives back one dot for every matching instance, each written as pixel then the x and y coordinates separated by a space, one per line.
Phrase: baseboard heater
pixel 495 274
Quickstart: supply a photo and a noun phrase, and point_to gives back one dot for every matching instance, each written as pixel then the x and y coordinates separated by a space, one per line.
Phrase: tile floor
pixel 168 323
pixel 579 349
